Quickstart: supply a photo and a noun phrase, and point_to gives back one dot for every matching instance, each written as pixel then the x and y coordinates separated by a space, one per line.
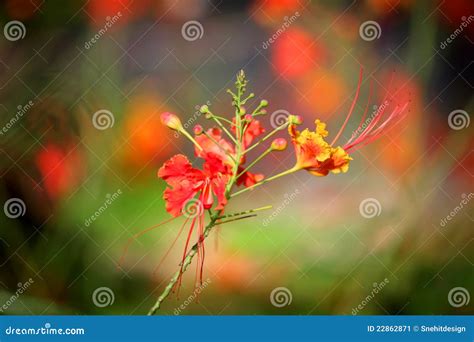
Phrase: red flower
pixel 185 182
pixel 220 154
pixel 252 130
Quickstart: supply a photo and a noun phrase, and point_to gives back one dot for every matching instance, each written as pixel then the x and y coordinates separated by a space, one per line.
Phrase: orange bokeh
pixel 325 93
pixel 296 52
pixel 147 138
pixel 61 168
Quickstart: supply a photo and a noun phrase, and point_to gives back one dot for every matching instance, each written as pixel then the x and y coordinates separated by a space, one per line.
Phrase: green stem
pixel 263 155
pixel 220 146
pixel 221 126
pixel 268 136
pixel 183 266
pixel 284 173
pixel 245 212
pixel 187 135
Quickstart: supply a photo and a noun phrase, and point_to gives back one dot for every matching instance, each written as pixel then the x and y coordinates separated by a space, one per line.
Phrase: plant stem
pixel 185 264
pixel 260 157
pixel 269 135
pixel 284 173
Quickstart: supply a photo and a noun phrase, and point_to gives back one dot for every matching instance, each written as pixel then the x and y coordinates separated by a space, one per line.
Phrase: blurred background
pixel 83 84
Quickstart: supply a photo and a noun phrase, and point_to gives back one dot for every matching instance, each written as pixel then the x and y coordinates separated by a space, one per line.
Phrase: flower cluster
pixel 223 150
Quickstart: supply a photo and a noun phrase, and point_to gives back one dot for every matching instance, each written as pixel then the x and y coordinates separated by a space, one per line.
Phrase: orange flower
pixel 316 155
pixel 319 157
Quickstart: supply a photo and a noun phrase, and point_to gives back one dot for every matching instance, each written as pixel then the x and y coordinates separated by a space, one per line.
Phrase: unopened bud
pixel 248 117
pixel 172 121
pixel 263 103
pixel 295 119
pixel 204 109
pixel 279 144
pixel 197 130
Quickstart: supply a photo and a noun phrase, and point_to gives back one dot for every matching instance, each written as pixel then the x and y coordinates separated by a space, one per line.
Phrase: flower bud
pixel 295 119
pixel 204 109
pixel 279 144
pixel 197 130
pixel 248 117
pixel 263 103
pixel 172 121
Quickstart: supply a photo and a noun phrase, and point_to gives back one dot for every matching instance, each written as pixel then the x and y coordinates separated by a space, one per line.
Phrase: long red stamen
pixel 171 247
pixel 368 133
pixel 354 101
pixel 364 115
pixel 193 222
pixel 136 236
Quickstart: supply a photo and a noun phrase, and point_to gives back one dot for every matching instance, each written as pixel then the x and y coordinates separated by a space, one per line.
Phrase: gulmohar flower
pixel 224 153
